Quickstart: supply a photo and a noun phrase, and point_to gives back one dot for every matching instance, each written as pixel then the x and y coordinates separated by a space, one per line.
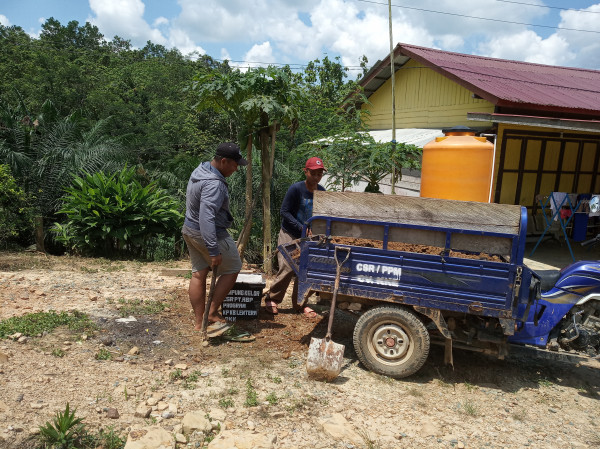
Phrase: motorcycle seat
pixel 548 278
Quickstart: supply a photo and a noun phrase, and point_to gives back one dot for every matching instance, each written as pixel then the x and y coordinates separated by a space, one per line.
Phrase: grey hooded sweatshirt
pixel 207 206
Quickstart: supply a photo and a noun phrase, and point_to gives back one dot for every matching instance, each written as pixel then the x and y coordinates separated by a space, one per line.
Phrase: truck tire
pixel 391 341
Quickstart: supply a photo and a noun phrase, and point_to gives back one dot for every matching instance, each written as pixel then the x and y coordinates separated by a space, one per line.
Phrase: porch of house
pixel 554 253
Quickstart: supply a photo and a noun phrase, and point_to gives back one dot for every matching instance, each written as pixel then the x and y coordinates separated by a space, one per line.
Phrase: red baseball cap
pixel 315 163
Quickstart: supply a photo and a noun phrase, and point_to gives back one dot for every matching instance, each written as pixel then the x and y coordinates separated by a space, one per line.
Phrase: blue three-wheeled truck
pixel 422 270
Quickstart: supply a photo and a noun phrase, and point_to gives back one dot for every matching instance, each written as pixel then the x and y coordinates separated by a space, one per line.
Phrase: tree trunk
pixel 39 234
pixel 267 171
pixel 245 234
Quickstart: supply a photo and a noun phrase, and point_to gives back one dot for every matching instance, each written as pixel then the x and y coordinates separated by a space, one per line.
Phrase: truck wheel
pixel 391 341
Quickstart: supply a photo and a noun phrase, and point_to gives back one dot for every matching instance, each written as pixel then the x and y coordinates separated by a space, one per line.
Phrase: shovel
pixel 325 357
pixel 211 293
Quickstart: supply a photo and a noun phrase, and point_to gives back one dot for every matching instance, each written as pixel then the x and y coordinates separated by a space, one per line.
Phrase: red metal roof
pixel 514 84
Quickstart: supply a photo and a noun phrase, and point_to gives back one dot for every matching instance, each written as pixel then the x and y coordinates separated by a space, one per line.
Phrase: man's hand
pixel 216 260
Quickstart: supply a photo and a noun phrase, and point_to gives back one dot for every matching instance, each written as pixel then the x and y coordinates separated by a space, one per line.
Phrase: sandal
pixel 217 328
pixel 240 337
pixel 271 307
pixel 308 312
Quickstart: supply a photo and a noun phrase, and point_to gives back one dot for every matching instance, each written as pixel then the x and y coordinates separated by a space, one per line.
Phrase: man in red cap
pixel 296 209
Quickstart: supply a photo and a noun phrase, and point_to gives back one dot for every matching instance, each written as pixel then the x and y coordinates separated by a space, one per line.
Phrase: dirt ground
pixel 523 401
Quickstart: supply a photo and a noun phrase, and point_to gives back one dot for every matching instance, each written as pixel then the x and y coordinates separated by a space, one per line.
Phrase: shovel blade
pixel 325 359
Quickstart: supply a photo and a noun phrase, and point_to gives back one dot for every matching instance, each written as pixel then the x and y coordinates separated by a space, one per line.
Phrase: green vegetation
pixel 112 214
pixel 34 324
pixel 16 215
pixel 65 430
pixel 77 109
pixel 470 408
pixel 103 354
pixel 176 375
pixel 226 403
pixel 251 395
pixel 58 352
pixel 189 383
pixel 276 379
pixel 272 398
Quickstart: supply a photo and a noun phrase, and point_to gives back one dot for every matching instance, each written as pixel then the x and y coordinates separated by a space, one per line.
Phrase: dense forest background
pixel 98 139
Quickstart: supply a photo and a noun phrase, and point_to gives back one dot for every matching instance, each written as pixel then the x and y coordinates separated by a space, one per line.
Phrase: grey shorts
pixel 231 262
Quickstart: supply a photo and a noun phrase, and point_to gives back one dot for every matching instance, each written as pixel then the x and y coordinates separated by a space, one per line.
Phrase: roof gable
pixel 502 82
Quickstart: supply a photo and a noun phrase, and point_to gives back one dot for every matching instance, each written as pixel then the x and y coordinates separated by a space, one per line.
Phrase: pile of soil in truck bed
pixel 411 248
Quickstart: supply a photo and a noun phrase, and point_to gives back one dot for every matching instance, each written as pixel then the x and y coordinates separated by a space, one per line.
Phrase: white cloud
pixel 182 41
pixel 528 46
pixel 352 33
pixel 259 55
pixel 225 55
pixel 585 45
pixel 288 31
pixel 564 47
pixel 159 21
pixel 4 21
pixel 125 19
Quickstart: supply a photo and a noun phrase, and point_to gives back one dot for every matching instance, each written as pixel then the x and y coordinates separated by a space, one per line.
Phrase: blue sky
pixel 253 32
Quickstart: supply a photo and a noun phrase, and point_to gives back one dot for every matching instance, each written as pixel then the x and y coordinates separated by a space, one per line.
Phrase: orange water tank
pixel 457 166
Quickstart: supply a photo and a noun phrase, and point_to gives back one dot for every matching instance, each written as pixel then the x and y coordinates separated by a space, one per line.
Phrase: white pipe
pixel 495 136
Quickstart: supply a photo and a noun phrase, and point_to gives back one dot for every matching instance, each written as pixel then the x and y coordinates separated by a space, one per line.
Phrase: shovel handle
pixel 336 287
pixel 211 293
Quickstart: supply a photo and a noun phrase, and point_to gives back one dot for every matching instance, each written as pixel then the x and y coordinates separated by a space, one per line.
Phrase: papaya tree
pixel 259 101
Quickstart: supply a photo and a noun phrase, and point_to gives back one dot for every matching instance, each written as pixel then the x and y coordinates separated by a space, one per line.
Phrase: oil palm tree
pixel 45 151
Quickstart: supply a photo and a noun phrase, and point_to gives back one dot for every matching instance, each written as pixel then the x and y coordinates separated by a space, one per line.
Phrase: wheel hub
pixel 390 342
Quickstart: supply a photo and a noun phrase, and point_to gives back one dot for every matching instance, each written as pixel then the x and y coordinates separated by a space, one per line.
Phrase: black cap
pixel 231 151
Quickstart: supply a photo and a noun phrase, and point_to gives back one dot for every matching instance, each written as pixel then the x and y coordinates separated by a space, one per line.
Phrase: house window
pixel 533 163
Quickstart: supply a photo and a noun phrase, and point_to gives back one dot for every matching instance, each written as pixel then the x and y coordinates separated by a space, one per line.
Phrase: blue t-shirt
pixel 297 208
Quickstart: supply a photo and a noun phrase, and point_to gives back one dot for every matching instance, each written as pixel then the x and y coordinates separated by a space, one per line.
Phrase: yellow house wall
pixel 424 99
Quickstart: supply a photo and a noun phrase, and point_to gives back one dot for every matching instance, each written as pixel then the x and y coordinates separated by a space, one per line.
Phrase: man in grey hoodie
pixel 207 219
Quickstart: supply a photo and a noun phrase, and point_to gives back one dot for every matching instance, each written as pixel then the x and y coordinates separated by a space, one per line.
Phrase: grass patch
pixel 226 403
pixel 58 352
pixel 543 382
pixel 470 408
pixel 138 307
pixel 370 443
pixel 189 383
pixel 272 398
pixel 105 439
pixel 34 324
pixel 176 375
pixel 296 405
pixel 251 395
pixel 103 354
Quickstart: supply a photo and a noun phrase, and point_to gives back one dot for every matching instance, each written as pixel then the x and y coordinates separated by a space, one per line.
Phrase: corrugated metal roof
pixel 414 136
pixel 506 83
